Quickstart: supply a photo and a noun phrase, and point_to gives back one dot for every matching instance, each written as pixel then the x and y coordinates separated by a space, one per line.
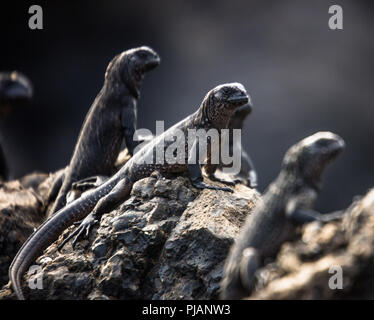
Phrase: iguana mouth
pixel 239 99
pixel 151 64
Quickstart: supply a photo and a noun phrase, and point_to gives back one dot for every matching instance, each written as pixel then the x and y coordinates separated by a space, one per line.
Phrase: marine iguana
pixel 111 118
pixel 247 173
pixel 15 91
pixel 287 203
pixel 214 113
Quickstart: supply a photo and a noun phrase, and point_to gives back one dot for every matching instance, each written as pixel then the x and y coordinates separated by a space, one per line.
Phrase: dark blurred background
pixel 302 76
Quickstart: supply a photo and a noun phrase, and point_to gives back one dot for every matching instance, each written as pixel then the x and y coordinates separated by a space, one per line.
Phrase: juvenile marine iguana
pixel 214 112
pixel 247 173
pixel 111 118
pixel 15 91
pixel 287 203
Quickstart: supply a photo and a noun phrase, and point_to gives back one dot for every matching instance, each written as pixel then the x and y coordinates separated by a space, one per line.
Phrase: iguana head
pixel 15 90
pixel 131 65
pixel 309 157
pixel 142 59
pixel 221 102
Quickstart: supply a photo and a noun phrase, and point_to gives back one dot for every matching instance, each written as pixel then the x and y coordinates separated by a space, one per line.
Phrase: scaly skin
pixel 287 203
pixel 15 91
pixel 111 118
pixel 214 112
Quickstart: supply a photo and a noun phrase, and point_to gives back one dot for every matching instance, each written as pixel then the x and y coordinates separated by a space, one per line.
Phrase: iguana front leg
pixel 129 119
pixel 194 170
pixel 300 216
pixel 211 168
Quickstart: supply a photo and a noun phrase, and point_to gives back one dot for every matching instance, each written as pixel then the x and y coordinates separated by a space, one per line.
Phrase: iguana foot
pixel 203 185
pixel 84 225
pixel 89 183
pixel 223 181
pixel 327 217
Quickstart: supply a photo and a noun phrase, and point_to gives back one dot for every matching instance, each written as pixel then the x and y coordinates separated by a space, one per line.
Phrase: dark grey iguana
pixel 287 203
pixel 111 118
pixel 246 175
pixel 214 113
pixel 15 91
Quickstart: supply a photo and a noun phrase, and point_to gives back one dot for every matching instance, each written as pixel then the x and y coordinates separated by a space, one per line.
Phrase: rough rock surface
pixel 191 262
pixel 168 240
pixel 20 212
pixel 302 267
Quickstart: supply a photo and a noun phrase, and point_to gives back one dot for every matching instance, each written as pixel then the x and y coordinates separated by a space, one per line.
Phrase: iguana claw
pixel 85 225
